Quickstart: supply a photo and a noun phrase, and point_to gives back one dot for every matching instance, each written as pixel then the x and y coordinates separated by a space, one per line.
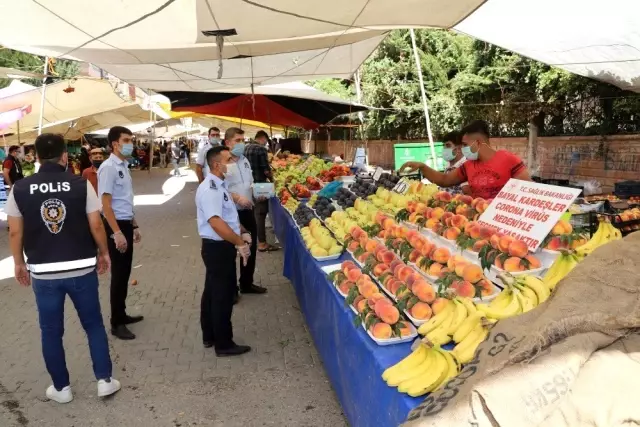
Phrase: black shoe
pixel 236 299
pixel 133 319
pixel 236 350
pixel 254 289
pixel 207 344
pixel 122 332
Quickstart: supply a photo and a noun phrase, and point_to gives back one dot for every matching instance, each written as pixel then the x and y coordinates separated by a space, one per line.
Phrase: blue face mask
pixel 468 154
pixel 238 149
pixel 126 150
pixel 447 154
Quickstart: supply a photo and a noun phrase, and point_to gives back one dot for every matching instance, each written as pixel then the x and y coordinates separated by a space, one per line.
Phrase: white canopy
pixel 160 44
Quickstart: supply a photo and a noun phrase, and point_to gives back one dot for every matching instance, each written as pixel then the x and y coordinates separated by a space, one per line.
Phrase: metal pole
pixel 44 91
pixel 153 139
pixel 424 96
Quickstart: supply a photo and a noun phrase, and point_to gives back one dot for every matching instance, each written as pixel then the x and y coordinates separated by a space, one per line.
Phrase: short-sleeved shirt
pixel 240 177
pixel 456 189
pixel 114 178
pixel 93 205
pixel 486 179
pixel 259 160
pixel 91 175
pixel 214 199
pixel 201 157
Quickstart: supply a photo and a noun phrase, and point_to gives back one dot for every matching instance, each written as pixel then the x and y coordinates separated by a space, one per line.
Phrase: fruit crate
pixel 625 227
pixel 627 189
pixel 586 222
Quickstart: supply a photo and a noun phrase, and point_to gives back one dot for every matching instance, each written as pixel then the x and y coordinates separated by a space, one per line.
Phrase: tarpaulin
pixel 352 361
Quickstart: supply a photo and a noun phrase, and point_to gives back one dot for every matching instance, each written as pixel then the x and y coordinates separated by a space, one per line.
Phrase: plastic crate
pixel 586 222
pixel 626 189
pixel 558 182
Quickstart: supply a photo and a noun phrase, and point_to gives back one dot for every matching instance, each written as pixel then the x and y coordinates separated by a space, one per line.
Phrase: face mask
pixel 96 163
pixel 447 154
pixel 214 140
pixel 468 154
pixel 126 150
pixel 238 149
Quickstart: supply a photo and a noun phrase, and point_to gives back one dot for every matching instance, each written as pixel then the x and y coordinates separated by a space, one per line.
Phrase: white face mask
pixel 232 169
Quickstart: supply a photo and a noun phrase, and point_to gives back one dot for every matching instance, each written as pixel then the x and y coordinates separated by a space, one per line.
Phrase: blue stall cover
pixel 353 362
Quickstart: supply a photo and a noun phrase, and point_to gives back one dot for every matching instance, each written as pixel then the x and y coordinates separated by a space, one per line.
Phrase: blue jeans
pixel 50 296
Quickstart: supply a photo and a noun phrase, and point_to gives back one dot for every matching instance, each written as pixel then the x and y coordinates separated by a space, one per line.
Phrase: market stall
pixel 417 262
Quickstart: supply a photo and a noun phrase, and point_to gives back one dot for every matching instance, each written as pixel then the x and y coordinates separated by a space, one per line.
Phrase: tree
pixel 63 69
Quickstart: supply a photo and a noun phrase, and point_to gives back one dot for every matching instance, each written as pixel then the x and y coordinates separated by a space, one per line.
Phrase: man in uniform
pixel 201 160
pixel 240 183
pixel 116 192
pixel 220 229
pixel 55 221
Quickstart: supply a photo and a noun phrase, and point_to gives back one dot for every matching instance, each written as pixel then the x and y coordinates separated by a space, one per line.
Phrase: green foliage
pixel 9 58
pixel 466 79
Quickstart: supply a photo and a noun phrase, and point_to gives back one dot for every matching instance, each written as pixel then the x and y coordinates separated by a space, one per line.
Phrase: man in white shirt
pixel 239 178
pixel 452 153
pixel 202 169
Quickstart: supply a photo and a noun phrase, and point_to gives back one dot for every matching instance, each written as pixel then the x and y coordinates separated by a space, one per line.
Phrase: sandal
pixel 269 248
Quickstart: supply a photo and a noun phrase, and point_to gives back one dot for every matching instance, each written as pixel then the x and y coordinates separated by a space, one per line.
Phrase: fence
pixel 607 159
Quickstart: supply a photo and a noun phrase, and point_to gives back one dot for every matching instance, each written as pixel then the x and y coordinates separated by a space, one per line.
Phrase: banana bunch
pixel 425 370
pixel 440 329
pixel 469 335
pixel 605 233
pixel 559 269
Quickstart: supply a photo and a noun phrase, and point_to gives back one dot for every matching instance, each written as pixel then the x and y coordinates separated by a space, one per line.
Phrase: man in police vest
pixel 55 221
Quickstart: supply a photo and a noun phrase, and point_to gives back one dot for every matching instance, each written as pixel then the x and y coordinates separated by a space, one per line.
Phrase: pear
pixel 317 251
pixel 335 250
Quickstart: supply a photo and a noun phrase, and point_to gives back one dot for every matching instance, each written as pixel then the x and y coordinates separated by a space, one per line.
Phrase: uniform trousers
pixel 216 305
pixel 248 221
pixel 120 271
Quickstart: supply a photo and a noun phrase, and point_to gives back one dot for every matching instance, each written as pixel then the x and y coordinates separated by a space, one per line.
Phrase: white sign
pixel 360 157
pixel 401 186
pixel 528 210
pixel 377 174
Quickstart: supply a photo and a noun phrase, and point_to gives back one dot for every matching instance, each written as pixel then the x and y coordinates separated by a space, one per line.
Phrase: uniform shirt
pixel 93 205
pixel 486 179
pixel 213 199
pixel 239 178
pixel 201 157
pixel 114 178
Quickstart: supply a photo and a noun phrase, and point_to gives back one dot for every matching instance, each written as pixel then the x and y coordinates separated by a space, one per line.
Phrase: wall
pixel 608 159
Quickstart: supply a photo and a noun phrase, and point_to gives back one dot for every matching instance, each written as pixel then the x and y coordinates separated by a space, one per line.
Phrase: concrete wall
pixel 608 159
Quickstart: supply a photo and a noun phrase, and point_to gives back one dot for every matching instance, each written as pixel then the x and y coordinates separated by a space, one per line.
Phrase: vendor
pixel 452 153
pixel 486 170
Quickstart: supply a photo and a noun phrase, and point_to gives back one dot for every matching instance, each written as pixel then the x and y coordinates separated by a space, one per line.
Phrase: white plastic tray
pixel 328 269
pixel 326 258
pixel 432 281
pixel 412 319
pixel 547 257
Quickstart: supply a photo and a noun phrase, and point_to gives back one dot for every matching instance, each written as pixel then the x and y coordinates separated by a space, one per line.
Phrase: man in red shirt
pixel 91 174
pixel 486 170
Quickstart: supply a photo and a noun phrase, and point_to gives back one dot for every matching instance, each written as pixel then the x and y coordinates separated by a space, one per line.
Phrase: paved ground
pixel 168 378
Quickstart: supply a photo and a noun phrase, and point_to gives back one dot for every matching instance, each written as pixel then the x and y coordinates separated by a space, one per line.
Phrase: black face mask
pixel 96 163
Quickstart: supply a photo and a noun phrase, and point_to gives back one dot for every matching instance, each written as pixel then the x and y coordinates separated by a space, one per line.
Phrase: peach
pixel 381 234
pixel 441 255
pixel 504 243
pixel 479 245
pixel 466 199
pixel 348 265
pixel 354 274
pixel 495 240
pixel 363 279
pixel 513 264
pixel 463 210
pixel 371 246
pixel 405 273
pixel 381 331
pixel 367 289
pixel 463 288
pixel 454 260
pixel 421 208
pixel 393 285
pixel 357 233
pixel 578 242
pixel 460 266
pixel 388 314
pixel 443 196
pixel 439 304
pixel 388 223
pixel 428 213
pixel 424 291
pixel 421 311
pixel 486 287
pixel 437 214
pixel 555 243
pixel 353 246
pixel 498 262
pixel 562 227
pixel 472 273
pixel 414 217
pixel 363 256
pixel 533 262
pixel 380 269
pixel 412 279
pixel 411 206
pixel 396 262
pixel 345 286
pixel 486 232
pixel 360 305
pixel 375 298
pixel 380 217
pixel 387 257
pixel 379 248
pixel 431 223
pixel 445 216
pixel 482 206
pixel 438 228
pixel 405 328
pixel 475 201
pixel 435 269
pixel 451 233
pixel 518 248
pixel 410 234
pixel 427 249
pixel 414 255
pixel 459 221
pixel 473 231
pixel 397 268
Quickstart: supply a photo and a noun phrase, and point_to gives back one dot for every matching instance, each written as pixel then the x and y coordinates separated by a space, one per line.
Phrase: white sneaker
pixel 62 396
pixel 108 388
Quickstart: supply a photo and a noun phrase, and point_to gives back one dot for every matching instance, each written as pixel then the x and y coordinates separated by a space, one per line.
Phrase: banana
pixel 538 286
pixel 467 326
pixel 469 305
pixel 465 351
pixel 453 367
pixel 440 335
pixel 458 317
pixel 404 375
pixel 428 381
pixel 437 320
pixel 501 301
pixel 511 309
pixel 564 264
pixel 527 293
pixel 617 234
pixel 525 303
pixel 414 359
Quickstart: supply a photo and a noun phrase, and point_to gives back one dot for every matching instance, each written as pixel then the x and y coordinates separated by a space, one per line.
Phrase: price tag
pixel 377 174
pixel 305 165
pixel 401 187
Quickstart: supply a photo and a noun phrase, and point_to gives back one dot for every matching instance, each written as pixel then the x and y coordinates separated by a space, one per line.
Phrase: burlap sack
pixel 607 390
pixel 597 303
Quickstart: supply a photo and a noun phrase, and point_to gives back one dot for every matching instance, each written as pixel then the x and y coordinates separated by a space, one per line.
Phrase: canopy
pixel 170 45
pixel 288 104
pixel 7 118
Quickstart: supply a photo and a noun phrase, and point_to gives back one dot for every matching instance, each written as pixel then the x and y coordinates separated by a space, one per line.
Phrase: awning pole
pixel 19 132
pixel 424 97
pixel 153 138
pixel 44 91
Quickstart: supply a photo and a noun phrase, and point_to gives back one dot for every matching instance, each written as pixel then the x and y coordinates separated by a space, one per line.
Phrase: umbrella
pixel 292 104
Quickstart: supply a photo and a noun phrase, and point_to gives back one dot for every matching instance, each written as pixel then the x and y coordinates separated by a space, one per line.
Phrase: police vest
pixel 57 237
